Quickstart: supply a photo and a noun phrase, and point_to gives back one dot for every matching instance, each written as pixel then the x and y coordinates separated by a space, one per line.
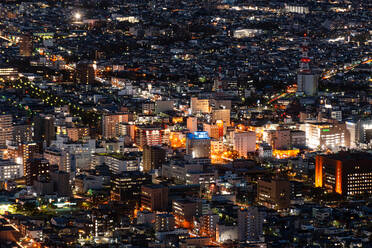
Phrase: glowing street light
pixel 77 16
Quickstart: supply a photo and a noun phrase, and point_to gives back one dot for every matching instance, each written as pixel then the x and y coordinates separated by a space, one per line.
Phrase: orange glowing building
pixel 344 173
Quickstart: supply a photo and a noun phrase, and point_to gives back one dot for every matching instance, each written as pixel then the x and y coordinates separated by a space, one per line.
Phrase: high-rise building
pixel 154 197
pixel 244 142
pixel 22 133
pixel 274 193
pixel 153 157
pixel 360 132
pixel 221 114
pixel 126 186
pixel 35 168
pixel 192 124
pixel 307 81
pixel 208 225
pixel 198 145
pixel 344 173
pixel 44 129
pixel 25 46
pixel 77 133
pixel 28 151
pixel 250 223
pixel 212 130
pixel 5 129
pixel 151 136
pixel 184 211
pixel 110 124
pixel 85 73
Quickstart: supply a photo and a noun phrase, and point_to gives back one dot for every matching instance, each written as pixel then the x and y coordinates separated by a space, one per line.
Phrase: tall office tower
pixel 153 157
pixel 274 193
pixel 221 115
pixel 5 129
pixel 28 151
pixel 198 145
pixel 110 124
pixel 25 46
pixel 34 168
pixel 192 124
pixel 44 129
pixel 22 133
pixel 307 80
pixel 244 142
pixel 344 173
pixel 154 197
pixel 250 223
pixel 85 73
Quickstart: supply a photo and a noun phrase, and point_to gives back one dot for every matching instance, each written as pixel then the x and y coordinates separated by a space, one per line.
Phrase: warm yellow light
pixel 77 16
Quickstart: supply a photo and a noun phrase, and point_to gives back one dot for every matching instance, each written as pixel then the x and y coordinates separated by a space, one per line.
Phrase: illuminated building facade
pixel 192 124
pixel 5 129
pixel 344 173
pixel 34 168
pixel 325 135
pixel 244 142
pixel 8 72
pixel 212 130
pixel 28 151
pixel 22 133
pixel 198 145
pixel 184 211
pixel 77 133
pixel 200 105
pixel 10 170
pixel 151 136
pixel 110 124
pixel 153 157
pixel 222 115
pixel 164 222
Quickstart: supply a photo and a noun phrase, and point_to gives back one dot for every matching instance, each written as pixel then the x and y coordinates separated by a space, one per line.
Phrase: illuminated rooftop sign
pixel 198 135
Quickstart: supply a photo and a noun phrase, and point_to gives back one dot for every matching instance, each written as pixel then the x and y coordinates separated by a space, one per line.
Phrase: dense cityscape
pixel 186 124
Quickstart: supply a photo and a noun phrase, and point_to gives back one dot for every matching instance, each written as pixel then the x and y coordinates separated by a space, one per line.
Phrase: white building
pixel 244 142
pixel 327 136
pixel 10 170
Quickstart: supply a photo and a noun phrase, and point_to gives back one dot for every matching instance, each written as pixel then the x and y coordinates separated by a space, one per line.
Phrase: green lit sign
pixel 325 130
